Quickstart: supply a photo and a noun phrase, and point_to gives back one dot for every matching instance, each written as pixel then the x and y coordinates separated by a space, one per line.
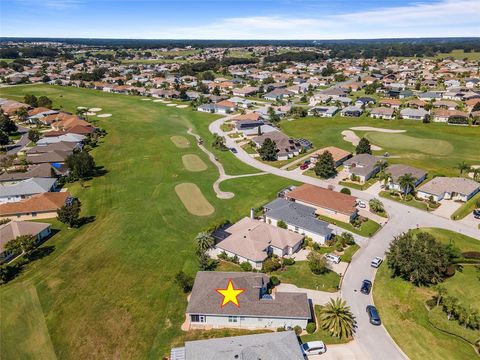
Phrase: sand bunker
pixel 180 141
pixel 171 104
pixel 193 163
pixel 90 113
pixel 193 200
pixel 158 100
pixel 145 99
pixel 369 128
pixel 95 109
pixel 166 102
pixel 182 106
pixel 353 138
pixel 104 115
pixel 81 108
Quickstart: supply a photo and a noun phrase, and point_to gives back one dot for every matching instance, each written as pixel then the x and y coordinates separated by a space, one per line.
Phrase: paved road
pixel 21 143
pixel 374 341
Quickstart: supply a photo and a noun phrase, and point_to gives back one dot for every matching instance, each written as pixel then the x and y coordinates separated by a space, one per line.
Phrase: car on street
pixel 373 315
pixel 366 287
pixel 304 167
pixel 333 258
pixel 377 260
pixel 476 213
pixel 233 150
pixel 313 348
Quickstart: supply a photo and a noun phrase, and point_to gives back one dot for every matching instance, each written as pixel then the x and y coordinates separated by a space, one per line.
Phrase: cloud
pixel 53 4
pixel 439 19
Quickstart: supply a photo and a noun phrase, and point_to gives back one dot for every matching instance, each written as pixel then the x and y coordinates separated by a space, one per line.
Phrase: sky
pixel 239 19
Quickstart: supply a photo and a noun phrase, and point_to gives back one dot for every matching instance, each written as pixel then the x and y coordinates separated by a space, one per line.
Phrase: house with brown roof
pixel 382 113
pixel 14 229
pixel 393 103
pixel 41 206
pixel 328 203
pixel 253 241
pixel 286 146
pixel 257 310
pixel 396 171
pixel 339 155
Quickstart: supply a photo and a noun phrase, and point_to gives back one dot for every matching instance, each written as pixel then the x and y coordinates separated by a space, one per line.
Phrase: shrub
pixel 282 224
pixel 297 329
pixel 271 264
pixel 223 256
pixel 246 266
pixel 311 327
pixel 317 263
pixel 288 261
pixel 471 254
pixel 184 281
pixel 316 246
pixel 280 329
pixel 275 281
pixel 339 246
pixel 346 191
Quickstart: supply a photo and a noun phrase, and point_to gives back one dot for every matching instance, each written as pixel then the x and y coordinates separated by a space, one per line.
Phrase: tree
pixel 219 142
pixel 325 166
pixel 206 263
pixel 44 101
pixel 449 305
pixel 81 165
pixel 463 167
pixel 363 147
pixel 317 263
pixel 337 318
pixel 22 114
pixel 346 191
pixel 4 139
pixel 204 242
pixel 407 183
pixel 184 281
pixel 441 292
pixel 30 100
pixel 384 176
pixel 23 244
pixel 419 258
pixel 7 125
pixel 376 206
pixel 268 150
pixel 70 213
pixel 273 116
pixel 33 135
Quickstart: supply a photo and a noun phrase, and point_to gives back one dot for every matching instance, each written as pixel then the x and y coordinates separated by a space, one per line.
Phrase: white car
pixel 361 204
pixel 377 260
pixel 333 258
pixel 313 348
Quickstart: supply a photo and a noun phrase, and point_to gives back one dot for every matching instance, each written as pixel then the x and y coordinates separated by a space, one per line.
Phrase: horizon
pixel 244 20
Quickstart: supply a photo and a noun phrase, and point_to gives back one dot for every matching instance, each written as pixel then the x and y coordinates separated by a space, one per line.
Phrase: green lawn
pixel 349 252
pixel 367 229
pixel 321 334
pixel 460 54
pixel 301 276
pixel 359 186
pixel 422 205
pixel 403 311
pixel 459 143
pixel 466 208
pixel 107 289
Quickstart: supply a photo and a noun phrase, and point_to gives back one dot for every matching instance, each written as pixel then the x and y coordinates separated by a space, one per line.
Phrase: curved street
pixel 373 340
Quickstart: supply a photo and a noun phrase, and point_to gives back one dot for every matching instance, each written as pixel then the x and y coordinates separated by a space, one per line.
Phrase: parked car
pixel 333 258
pixel 366 287
pixel 361 204
pixel 233 150
pixel 373 315
pixel 304 167
pixel 476 213
pixel 377 260
pixel 313 348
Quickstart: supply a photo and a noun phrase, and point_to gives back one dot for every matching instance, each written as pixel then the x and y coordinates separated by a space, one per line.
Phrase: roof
pixel 27 187
pixel 205 300
pixel 337 153
pixel 37 171
pixel 14 229
pixel 382 111
pixel 269 346
pixel 324 198
pixel 250 239
pixel 362 164
pixel 440 185
pixel 46 202
pixel 398 170
pixel 413 112
pixel 298 215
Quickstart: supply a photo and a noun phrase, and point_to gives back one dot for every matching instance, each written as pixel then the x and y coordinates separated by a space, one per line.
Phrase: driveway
pixel 349 351
pixel 317 297
pixel 447 208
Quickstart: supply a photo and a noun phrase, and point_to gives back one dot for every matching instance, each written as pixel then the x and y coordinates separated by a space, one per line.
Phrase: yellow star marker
pixel 230 294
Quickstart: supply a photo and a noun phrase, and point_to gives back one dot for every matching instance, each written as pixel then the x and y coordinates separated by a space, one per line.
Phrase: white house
pixel 441 188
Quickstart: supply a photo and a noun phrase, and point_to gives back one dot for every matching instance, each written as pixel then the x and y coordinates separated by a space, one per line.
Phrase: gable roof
pixel 46 202
pixel 398 170
pixel 37 171
pixel 440 185
pixel 27 187
pixel 14 229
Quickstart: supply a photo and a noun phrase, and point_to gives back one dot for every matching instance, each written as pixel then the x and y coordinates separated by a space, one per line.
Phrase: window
pixel 232 319
pixel 198 318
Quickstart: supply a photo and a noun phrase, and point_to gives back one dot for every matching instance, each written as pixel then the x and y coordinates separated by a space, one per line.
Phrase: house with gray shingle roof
pixel 396 171
pixel 269 346
pixel 25 189
pixel 257 310
pixel 298 218
pixel 456 188
pixel 413 114
pixel 363 166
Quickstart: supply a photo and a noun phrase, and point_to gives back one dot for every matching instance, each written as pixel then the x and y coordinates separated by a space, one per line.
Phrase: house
pixel 277 94
pixel 25 189
pixel 270 346
pixel 413 114
pixel 214 108
pixel 73 138
pixel 51 157
pixel 286 146
pixel 40 206
pixel 32 171
pixel 323 111
pixel 441 188
pixel 396 171
pixel 351 111
pixel 245 91
pixel 14 229
pixel 230 105
pixel 326 202
pixel 393 103
pixel 257 310
pixel 382 113
pixel 365 101
pixel 362 166
pixel 339 155
pixel 298 218
pixel 253 241
pixel 454 116
pixel 249 116
pixel 429 96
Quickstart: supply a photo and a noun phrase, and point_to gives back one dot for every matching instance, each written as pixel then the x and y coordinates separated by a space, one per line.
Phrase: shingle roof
pixel 440 185
pixel 398 170
pixel 46 202
pixel 13 229
pixel 270 346
pixel 206 300
pixel 38 171
pixel 27 187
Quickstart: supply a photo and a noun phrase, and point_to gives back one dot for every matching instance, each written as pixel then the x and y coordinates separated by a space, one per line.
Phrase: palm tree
pixel 385 177
pixel 462 166
pixel 407 182
pixel 204 242
pixel 441 291
pixel 449 304
pixel 336 317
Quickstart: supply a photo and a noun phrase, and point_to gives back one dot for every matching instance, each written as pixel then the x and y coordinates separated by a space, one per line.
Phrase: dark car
pixel 366 287
pixel 476 213
pixel 304 167
pixel 233 150
pixel 373 315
